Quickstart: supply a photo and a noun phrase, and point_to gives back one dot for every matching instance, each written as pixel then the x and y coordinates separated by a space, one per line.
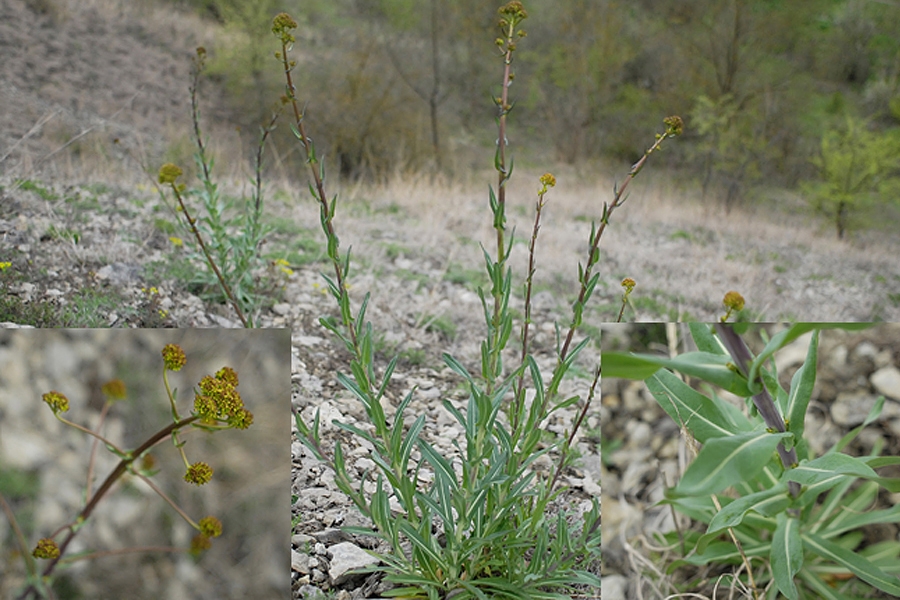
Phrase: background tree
pixel 858 169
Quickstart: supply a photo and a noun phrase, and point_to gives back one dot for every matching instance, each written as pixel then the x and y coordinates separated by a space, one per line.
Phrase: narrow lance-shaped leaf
pixel 727 460
pixel 786 556
pixel 705 338
pixel 827 466
pixel 856 563
pixel 688 407
pixel 787 336
pixel 713 368
pixel 801 389
pixel 766 502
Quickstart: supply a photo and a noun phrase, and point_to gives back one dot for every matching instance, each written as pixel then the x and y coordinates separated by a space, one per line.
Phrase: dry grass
pixel 683 254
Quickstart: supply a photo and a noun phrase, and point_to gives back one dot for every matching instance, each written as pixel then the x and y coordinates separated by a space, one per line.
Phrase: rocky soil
pixel 647 452
pixel 321 554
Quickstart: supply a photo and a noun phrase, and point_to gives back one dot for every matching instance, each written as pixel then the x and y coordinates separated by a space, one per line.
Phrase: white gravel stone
pixel 887 381
pixel 282 308
pixel 615 587
pixel 851 409
pixel 345 557
pixel 300 562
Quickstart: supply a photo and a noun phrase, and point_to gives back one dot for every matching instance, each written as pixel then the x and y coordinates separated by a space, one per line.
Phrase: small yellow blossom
pixel 46 548
pixel 210 527
pixel 5 265
pixel 284 266
pixel 733 301
pixel 199 544
pixel 176 241
pixel 57 402
pixel 114 389
pixel 548 179
pixel 198 473
pixel 282 25
pixel 173 357
pixel 168 173
pixel 674 125
pixel 228 375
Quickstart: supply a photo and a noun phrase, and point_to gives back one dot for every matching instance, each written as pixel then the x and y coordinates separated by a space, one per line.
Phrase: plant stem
pixel 103 489
pixel 739 351
pixel 193 225
pixel 593 254
pixel 520 386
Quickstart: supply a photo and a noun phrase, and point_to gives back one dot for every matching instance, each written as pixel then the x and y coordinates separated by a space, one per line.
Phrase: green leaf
pixel 786 556
pixel 424 546
pixel 827 466
pixel 701 415
pixel 411 437
pixel 705 338
pixel 356 431
pixel 855 521
pixel 388 373
pixel 801 389
pixel 361 315
pixel 820 587
pixel 457 367
pixel 859 565
pixel 726 461
pixel 351 386
pixel 766 502
pixel 713 368
pixel 442 468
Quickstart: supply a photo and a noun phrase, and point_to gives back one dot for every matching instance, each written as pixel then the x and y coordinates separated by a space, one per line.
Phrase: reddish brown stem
pixel 193 225
pixel 104 488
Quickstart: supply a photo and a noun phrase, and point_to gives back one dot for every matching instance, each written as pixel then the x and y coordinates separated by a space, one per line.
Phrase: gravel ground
pixel 647 452
pixel 320 554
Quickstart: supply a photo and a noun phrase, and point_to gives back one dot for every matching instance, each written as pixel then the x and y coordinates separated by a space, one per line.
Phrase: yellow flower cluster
pixel 173 357
pixel 198 473
pixel 46 548
pixel 218 400
pixel 57 401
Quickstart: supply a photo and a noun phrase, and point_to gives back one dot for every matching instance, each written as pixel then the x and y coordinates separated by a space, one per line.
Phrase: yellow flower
pixel 674 125
pixel 198 473
pixel 114 389
pixel 173 357
pixel 57 402
pixel 168 173
pixel 733 301
pixel 282 25
pixel 199 544
pixel 46 548
pixel 176 241
pixel 210 527
pixel 284 266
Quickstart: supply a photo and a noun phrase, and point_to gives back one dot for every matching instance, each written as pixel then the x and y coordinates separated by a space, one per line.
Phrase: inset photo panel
pixel 751 460
pixel 144 464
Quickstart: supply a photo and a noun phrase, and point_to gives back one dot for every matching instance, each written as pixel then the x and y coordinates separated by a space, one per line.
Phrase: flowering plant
pixel 790 518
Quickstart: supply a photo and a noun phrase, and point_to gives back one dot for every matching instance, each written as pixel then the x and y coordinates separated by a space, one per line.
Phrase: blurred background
pixel 44 464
